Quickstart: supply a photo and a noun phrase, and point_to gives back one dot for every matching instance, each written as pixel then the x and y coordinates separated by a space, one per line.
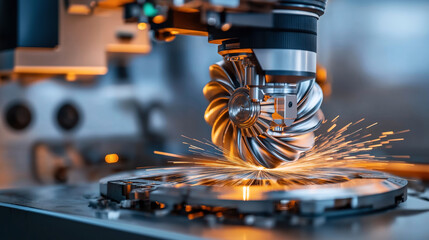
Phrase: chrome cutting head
pixel 246 129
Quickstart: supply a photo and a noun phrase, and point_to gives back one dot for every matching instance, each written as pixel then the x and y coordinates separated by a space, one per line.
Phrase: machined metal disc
pixel 361 191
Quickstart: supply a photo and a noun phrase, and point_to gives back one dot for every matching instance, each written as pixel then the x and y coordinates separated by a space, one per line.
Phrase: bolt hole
pixel 68 116
pixel 290 104
pixel 18 116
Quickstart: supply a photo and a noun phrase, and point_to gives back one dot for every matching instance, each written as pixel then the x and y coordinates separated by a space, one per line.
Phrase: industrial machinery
pixel 264 105
pixel 264 102
pixel 51 90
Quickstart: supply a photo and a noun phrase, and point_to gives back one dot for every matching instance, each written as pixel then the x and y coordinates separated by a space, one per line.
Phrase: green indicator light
pixel 149 10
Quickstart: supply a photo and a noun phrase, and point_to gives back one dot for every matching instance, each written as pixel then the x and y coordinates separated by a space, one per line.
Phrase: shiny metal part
pixel 362 191
pixel 254 82
pixel 67 206
pixel 285 108
pixel 255 131
pixel 242 111
pixel 297 12
pixel 286 60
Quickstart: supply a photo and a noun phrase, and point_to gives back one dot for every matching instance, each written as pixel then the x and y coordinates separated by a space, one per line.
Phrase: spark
pixel 337 156
pixel 359 121
pixel 169 154
pixel 403 131
pixel 332 127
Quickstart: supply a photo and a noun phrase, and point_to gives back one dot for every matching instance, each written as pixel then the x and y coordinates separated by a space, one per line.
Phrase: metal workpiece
pixel 269 132
pixel 362 191
pixel 79 212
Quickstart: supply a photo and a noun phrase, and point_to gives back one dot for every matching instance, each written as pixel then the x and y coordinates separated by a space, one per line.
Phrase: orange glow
pixel 142 26
pixel 195 215
pixel 188 208
pixel 322 80
pixel 321 74
pixel 226 27
pixel 113 3
pixel 158 19
pixel 71 77
pixel 128 48
pixel 246 50
pixel 79 9
pixel 246 193
pixel 175 31
pixel 111 158
pixel 346 147
pixel 80 70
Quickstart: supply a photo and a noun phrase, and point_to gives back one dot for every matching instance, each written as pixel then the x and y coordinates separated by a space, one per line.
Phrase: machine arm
pixel 264 101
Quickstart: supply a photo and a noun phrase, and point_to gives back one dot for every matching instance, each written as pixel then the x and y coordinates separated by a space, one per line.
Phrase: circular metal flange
pixel 242 111
pixel 361 191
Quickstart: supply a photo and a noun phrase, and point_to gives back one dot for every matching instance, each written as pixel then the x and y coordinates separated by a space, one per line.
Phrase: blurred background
pixel 77 129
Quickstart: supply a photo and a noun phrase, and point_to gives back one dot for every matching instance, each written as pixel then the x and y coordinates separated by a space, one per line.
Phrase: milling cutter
pixel 264 101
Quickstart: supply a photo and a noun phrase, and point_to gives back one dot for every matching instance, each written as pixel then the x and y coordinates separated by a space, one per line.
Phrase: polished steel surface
pixel 242 111
pixel 362 191
pixel 286 60
pixel 297 12
pixel 70 203
pixel 244 128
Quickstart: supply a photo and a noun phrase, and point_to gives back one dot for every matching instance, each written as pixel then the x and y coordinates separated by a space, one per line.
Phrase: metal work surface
pixel 67 206
pixel 263 202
